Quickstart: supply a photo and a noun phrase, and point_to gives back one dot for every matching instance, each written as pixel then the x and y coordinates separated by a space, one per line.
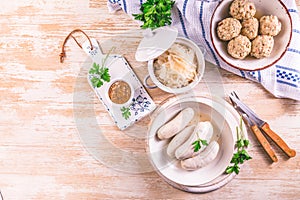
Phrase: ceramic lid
pixel 155 43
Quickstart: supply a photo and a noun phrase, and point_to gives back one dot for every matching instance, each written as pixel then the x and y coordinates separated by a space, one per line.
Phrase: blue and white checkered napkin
pixel 192 18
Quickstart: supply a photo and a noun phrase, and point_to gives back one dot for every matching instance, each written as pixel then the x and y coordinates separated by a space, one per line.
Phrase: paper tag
pixel 95 53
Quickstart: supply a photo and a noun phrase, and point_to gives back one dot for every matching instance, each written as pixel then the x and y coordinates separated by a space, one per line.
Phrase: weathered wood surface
pixel 41 153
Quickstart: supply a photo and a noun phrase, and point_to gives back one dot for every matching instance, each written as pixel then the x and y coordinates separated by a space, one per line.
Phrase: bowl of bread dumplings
pixel 251 34
pixel 191 139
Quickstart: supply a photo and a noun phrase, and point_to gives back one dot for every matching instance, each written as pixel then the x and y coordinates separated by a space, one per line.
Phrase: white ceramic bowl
pixel 224 124
pixel 200 69
pixel 281 41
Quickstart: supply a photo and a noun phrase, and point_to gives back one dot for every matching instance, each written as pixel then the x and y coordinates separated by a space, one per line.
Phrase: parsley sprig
pixel 100 73
pixel 198 143
pixel 155 13
pixel 241 155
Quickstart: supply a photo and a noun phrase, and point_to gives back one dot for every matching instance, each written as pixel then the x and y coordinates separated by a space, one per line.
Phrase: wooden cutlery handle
pixel 264 142
pixel 277 139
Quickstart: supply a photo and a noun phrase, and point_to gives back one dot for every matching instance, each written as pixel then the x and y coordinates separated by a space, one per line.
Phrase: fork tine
pixel 232 102
pixel 235 95
pixel 232 94
pixel 241 112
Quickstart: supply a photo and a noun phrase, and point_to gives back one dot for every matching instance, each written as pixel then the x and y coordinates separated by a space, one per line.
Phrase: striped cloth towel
pixel 192 19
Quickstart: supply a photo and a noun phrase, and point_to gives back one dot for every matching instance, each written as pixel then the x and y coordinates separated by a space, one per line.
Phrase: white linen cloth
pixel 192 19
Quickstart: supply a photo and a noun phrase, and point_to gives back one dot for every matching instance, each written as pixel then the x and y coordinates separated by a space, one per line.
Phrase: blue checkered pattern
pixel 254 75
pixel 288 76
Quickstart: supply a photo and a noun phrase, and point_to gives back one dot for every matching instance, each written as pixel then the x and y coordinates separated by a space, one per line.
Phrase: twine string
pixel 62 55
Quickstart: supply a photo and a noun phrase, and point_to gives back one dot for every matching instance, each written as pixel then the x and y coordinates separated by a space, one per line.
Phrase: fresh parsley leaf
pixel 198 144
pixel 126 112
pixel 100 74
pixel 96 82
pixel 240 143
pixel 234 168
pixel 245 155
pixel 246 143
pixel 241 155
pixel 229 169
pixel 105 74
pixel 204 142
pixel 94 69
pixel 155 13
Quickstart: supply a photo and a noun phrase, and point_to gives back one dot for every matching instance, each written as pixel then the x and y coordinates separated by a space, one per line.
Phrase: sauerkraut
pixel 176 67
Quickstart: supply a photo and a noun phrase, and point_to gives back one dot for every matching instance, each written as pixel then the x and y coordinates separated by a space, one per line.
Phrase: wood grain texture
pixel 44 105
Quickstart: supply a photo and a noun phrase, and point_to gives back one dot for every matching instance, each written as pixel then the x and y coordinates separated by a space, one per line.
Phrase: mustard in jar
pixel 119 92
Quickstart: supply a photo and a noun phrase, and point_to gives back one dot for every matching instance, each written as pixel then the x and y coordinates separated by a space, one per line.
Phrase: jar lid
pixel 155 43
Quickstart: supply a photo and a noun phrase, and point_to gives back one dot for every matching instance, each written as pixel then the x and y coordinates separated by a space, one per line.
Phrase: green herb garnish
pixel 198 143
pixel 100 73
pixel 241 155
pixel 155 13
pixel 125 112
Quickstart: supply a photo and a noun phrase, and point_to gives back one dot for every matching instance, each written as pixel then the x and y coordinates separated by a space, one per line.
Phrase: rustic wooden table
pixel 46 107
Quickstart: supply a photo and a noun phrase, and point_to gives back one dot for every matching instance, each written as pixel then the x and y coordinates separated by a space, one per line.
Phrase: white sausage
pixel 203 159
pixel 176 124
pixel 179 139
pixel 204 130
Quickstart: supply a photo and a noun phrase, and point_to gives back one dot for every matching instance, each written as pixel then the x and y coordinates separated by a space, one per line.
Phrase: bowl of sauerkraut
pixel 179 69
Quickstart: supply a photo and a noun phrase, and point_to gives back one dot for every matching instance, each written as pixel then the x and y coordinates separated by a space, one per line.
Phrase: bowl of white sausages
pixel 191 140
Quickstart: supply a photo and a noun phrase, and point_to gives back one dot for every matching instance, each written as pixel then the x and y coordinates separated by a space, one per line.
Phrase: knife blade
pixel 264 126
